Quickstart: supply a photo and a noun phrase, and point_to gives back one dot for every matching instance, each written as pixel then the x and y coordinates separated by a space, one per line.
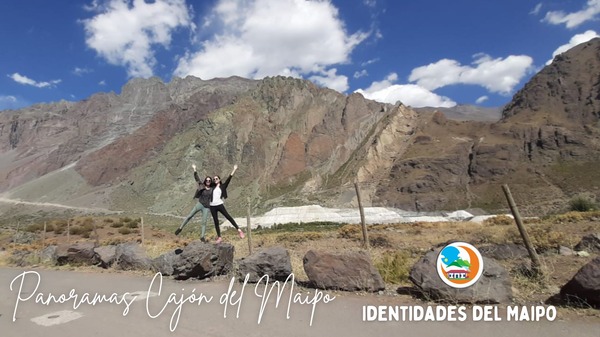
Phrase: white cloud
pixel 332 80
pixel 10 102
pixel 258 38
pixel 536 10
pixel 125 32
pixel 572 20
pixel 362 73
pixel 28 81
pixel 409 94
pixel 481 99
pixel 497 75
pixel 81 71
pixel 575 40
pixel 8 99
pixel 103 82
pixel 371 61
pixel 370 3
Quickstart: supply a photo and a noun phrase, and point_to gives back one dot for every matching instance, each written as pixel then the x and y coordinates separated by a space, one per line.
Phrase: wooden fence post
pixel 249 229
pixel 16 237
pixel 142 224
pixel 362 218
pixel 44 236
pixel 535 261
pixel 96 234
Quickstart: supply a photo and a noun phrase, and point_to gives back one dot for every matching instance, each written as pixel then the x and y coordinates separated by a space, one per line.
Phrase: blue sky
pixel 423 53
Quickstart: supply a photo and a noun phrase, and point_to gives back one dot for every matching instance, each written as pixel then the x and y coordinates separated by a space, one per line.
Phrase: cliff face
pixel 297 143
pixel 545 146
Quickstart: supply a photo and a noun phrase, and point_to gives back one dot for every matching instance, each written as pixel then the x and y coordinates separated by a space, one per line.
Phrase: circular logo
pixel 459 265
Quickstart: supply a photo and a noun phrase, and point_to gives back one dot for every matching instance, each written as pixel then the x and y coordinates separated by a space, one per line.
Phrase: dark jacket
pixel 223 188
pixel 203 194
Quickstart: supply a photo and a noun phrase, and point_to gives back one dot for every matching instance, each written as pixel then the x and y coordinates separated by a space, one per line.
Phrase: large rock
pixel 131 256
pixel 350 271
pixel 201 260
pixel 494 286
pixel 106 255
pixel 80 253
pixel 164 263
pixel 584 287
pixel 274 262
pixel 589 243
pixel 507 251
pixel 48 254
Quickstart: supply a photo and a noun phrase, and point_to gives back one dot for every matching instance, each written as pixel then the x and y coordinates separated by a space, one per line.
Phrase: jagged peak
pixel 560 92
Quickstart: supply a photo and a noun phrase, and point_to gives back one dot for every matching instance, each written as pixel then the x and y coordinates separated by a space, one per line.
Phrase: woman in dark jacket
pixel 203 194
pixel 219 192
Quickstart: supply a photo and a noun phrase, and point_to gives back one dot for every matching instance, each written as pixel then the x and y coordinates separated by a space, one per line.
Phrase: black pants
pixel 221 208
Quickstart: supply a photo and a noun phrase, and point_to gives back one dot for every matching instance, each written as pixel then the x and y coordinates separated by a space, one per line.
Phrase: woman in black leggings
pixel 219 192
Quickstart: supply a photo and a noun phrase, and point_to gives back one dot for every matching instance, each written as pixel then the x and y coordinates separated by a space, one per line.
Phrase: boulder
pixel 565 251
pixel 131 256
pixel 584 287
pixel 351 271
pixel 506 251
pixel 80 253
pixel 494 286
pixel 201 260
pixel 48 254
pixel 106 255
pixel 589 243
pixel 164 263
pixel 274 262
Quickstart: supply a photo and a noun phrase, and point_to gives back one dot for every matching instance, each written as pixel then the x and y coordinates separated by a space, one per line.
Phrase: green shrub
pixel 117 224
pixel 124 230
pixel 394 267
pixel 37 227
pixel 76 230
pixel 582 204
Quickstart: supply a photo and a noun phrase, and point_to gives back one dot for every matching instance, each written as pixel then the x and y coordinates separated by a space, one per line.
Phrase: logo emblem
pixel 459 265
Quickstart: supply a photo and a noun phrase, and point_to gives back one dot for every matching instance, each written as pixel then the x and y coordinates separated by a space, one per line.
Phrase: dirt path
pixel 83 209
pixel 151 314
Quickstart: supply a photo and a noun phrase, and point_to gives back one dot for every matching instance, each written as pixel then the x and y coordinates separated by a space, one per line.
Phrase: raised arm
pixel 226 183
pixel 196 174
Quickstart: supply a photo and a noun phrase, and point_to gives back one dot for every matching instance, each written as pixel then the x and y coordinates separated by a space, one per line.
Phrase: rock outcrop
pixel 351 271
pixel 494 286
pixel 273 262
pixel 584 287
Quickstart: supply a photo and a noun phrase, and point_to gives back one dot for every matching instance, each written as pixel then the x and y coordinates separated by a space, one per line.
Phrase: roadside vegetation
pixel 394 248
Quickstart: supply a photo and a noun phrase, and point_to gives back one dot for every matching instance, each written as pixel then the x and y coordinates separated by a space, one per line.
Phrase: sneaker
pixel 203 239
pixel 219 240
pixel 177 231
pixel 241 233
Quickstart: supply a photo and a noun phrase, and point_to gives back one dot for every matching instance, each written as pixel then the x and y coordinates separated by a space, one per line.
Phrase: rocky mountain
pixel 297 143
pixel 467 113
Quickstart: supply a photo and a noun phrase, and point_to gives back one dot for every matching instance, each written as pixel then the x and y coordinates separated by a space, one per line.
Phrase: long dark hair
pixel 213 183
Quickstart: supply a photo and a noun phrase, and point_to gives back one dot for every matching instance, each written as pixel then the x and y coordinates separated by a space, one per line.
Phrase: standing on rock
pixel 203 194
pixel 219 192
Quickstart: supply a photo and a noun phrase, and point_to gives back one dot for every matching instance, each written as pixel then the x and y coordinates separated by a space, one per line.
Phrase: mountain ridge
pixel 297 143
